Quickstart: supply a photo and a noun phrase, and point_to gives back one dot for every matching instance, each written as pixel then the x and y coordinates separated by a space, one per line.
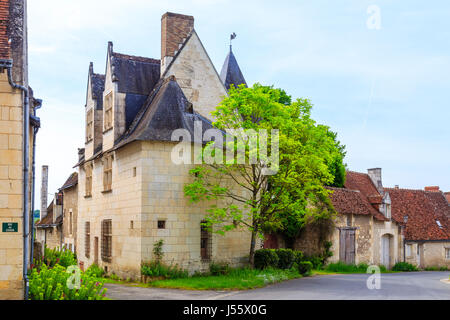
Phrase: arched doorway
pixel 387 250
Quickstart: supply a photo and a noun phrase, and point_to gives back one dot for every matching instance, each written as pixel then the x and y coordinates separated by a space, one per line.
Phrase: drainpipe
pixel 26 202
pixel 33 166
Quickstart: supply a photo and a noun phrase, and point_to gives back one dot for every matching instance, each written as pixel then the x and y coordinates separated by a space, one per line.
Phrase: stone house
pixel 69 192
pixel 426 216
pixel 18 127
pixel 49 228
pixel 130 193
pixel 364 230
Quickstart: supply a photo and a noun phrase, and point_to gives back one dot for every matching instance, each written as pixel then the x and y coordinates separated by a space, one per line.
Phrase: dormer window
pixel 108 121
pixel 439 224
pixel 89 125
pixel 388 211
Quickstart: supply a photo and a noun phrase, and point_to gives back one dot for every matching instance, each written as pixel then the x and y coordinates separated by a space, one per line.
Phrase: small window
pixel 408 250
pixel 70 223
pixel 108 121
pixel 88 169
pixel 447 253
pixel 388 211
pixel 439 224
pixel 87 239
pixel 134 172
pixel 89 126
pixel 205 242
pixel 107 173
pixel 161 224
pixel 131 224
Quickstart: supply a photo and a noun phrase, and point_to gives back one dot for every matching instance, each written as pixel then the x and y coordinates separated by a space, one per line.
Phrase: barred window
pixel 107 173
pixel 205 242
pixel 87 239
pixel 108 112
pixel 89 125
pixel 88 169
pixel 447 253
pixel 106 240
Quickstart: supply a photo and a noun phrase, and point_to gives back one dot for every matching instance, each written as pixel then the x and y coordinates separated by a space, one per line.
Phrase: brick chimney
pixel 175 28
pixel 375 176
pixel 44 191
pixel 432 189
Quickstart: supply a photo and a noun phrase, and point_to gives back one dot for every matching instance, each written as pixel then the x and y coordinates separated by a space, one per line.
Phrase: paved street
pixel 394 286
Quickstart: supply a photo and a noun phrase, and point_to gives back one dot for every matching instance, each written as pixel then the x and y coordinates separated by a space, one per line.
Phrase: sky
pixel 377 72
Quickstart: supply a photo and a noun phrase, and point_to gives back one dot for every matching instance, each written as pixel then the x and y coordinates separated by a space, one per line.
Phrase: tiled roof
pixel 48 219
pixel 231 73
pixel 70 182
pixel 347 201
pixel 447 196
pixel 423 209
pixel 362 182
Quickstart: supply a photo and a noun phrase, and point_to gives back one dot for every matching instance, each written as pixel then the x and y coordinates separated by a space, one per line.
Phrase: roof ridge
pixel 135 58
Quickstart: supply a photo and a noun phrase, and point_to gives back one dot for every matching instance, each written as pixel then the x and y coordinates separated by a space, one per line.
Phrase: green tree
pixel 245 195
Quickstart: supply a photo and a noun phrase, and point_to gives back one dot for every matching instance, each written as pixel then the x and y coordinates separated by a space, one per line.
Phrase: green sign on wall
pixel 10 227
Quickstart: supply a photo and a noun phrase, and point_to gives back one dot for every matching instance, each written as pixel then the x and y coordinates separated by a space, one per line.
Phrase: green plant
pixel 286 258
pixel 115 277
pixel 304 267
pixel 265 258
pixel 404 266
pixel 317 261
pixel 52 284
pixel 158 250
pixel 217 269
pixel 59 256
pixel 95 271
pixel 156 269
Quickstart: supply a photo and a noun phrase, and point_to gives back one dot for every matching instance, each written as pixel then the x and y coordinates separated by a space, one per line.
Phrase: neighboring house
pixel 447 196
pixel 70 211
pixel 130 192
pixel 18 126
pixel 49 230
pixel 363 231
pixel 426 214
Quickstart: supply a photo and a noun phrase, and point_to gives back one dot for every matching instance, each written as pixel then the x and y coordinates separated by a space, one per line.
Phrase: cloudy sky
pixel 382 84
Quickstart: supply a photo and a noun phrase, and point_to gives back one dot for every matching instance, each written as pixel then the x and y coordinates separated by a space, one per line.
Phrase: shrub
pixel 404 266
pixel 159 270
pixel 316 261
pixel 298 257
pixel 60 256
pixel 265 258
pixel 286 258
pixel 158 250
pixel 218 269
pixel 95 271
pixel 51 284
pixel 304 267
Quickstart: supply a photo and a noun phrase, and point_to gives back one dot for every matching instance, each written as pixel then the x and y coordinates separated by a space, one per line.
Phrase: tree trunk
pixel 252 249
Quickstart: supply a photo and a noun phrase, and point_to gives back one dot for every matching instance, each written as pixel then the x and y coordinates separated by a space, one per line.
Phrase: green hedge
pixel 286 258
pixel 404 266
pixel 266 258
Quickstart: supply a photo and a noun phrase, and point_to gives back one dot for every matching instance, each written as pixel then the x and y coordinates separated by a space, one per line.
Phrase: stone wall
pixel 11 194
pixel 70 206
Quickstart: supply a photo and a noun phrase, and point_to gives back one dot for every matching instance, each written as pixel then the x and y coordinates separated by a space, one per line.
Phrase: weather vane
pixel 232 37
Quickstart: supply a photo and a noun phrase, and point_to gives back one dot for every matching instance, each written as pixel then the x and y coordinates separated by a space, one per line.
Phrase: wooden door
pixel 347 246
pixel 96 250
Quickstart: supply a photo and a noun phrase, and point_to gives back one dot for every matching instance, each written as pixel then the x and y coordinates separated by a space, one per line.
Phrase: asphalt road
pixel 394 286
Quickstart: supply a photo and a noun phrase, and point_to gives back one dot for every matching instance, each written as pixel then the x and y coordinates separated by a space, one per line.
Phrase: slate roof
pixel 98 86
pixel 47 221
pixel 135 75
pixel 423 209
pixel 70 182
pixel 231 73
pixel 165 110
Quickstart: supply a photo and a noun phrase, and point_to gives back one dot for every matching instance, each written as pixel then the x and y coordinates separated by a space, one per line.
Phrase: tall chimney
pixel 44 192
pixel 175 28
pixel 375 176
pixel 433 189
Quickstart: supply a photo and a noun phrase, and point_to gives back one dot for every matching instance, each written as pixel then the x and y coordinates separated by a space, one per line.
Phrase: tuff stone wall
pixel 135 205
pixel 70 206
pixel 11 194
pixel 197 77
pixel 433 254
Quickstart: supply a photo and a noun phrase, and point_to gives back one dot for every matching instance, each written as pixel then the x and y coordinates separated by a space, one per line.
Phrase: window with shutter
pixel 106 240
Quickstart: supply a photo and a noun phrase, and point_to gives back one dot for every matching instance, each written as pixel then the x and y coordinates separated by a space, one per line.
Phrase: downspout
pixel 26 203
pixel 33 166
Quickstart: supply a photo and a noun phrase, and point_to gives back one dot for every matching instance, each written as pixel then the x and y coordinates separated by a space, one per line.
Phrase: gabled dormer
pixel 94 112
pixel 128 82
pixel 185 57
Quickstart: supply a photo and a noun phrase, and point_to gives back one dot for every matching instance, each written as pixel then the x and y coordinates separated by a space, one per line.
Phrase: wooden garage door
pixel 347 246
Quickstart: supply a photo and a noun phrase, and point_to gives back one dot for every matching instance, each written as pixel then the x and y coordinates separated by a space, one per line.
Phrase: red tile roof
pixel 424 209
pixel 447 195
pixel 362 182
